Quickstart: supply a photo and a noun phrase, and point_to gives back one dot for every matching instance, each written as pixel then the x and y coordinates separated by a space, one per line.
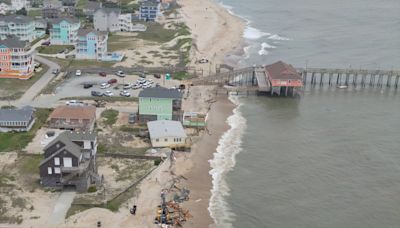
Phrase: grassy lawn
pixel 35 13
pixel 16 141
pixel 180 75
pixel 66 63
pixel 81 3
pixel 28 169
pixel 110 116
pixel 39 39
pixel 118 42
pixel 157 33
pixel 15 88
pixel 54 49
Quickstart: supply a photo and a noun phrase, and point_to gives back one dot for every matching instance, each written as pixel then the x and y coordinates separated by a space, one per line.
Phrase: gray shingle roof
pixel 160 92
pixel 110 10
pixel 13 42
pixel 165 128
pixel 16 18
pixel 84 32
pixel 68 139
pixel 68 19
pixel 24 114
pixel 90 5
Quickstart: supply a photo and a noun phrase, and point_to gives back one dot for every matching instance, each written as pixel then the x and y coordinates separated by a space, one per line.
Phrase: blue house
pixel 149 10
pixel 64 31
pixel 91 44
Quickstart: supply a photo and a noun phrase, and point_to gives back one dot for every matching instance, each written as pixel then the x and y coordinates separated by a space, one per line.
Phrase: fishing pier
pixel 281 79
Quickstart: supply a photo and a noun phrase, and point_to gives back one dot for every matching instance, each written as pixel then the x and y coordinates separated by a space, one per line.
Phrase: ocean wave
pixel 277 37
pixel 263 52
pixel 246 51
pixel 224 161
pixel 253 33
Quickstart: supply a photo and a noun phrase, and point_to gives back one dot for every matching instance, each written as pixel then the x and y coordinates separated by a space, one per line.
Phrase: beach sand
pixel 215 31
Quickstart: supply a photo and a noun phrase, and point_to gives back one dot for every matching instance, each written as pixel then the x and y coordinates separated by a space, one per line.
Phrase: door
pixel 67 162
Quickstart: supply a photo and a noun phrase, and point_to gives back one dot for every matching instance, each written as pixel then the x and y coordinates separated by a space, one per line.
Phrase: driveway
pixel 61 207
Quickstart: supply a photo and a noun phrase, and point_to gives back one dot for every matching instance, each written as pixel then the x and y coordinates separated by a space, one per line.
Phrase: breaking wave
pixel 253 33
pixel 223 162
pixel 277 37
pixel 265 46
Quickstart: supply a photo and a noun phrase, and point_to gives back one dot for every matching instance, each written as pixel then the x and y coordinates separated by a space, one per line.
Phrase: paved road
pixel 31 93
pixel 61 207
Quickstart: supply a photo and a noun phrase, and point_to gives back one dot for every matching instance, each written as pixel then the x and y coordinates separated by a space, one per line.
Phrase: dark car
pixel 112 81
pixel 96 93
pixel 102 74
pixel 157 75
pixel 87 85
pixel 182 87
pixel 46 43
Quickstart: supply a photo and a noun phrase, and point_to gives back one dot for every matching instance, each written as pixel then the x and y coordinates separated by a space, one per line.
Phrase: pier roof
pixel 283 71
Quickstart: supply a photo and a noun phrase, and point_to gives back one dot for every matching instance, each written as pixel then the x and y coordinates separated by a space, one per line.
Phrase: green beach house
pixel 160 103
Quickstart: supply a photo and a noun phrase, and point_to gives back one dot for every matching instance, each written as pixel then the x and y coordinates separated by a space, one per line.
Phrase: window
pixel 157 140
pixel 57 170
pixel 49 170
pixel 56 161
pixel 166 140
pixel 67 162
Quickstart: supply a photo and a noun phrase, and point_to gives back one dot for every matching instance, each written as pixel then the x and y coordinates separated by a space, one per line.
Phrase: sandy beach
pixel 215 31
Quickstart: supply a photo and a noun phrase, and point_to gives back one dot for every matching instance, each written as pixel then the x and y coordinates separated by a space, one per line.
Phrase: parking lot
pixel 74 87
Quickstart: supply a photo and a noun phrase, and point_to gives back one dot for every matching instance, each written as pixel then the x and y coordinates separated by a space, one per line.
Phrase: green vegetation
pixel 17 141
pixel 39 39
pixel 35 13
pixel 81 3
pixel 180 75
pixel 114 204
pixel 157 161
pixel 28 170
pixel 157 33
pixel 110 116
pixel 66 63
pixel 133 130
pixel 118 42
pixel 54 49
pixel 92 189
pixel 108 148
pixel 15 88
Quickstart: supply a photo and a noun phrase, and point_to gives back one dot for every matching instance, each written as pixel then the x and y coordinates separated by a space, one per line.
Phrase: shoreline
pixel 216 32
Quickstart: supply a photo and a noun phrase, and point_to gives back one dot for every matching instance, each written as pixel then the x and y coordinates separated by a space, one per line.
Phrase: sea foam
pixel 265 46
pixel 253 33
pixel 277 37
pixel 223 162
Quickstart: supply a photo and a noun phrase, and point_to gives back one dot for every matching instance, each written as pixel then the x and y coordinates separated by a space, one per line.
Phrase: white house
pixel 19 4
pixel 4 8
pixel 166 133
pixel 106 19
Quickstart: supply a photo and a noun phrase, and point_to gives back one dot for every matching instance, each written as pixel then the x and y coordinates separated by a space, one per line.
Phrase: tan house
pixel 75 118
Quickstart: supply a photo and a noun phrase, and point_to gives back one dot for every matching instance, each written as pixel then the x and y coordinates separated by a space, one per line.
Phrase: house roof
pixel 23 114
pixel 68 139
pixel 70 20
pixel 151 3
pixel 52 4
pixel 283 71
pixel 74 112
pixel 109 10
pixel 84 32
pixel 165 128
pixel 16 18
pixel 13 42
pixel 160 92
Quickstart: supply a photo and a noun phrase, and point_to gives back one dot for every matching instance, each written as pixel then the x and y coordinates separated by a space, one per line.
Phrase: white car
pixel 74 103
pixel 120 73
pixel 108 93
pixel 78 73
pixel 125 93
pixel 104 85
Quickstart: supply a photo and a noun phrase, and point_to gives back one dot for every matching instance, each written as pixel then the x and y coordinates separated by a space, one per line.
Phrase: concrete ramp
pixel 262 82
pixel 61 207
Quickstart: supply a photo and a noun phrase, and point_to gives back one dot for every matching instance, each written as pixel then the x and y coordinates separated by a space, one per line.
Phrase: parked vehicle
pixel 132 118
pixel 125 93
pixel 136 86
pixel 203 60
pixel 46 43
pixel 102 74
pixel 157 75
pixel 120 73
pixel 87 85
pixel 78 73
pixel 112 81
pixel 74 103
pixel 104 85
pixel 127 86
pixel 142 75
pixel 182 87
pixel 37 64
pixel 108 93
pixel 96 93
pixel 56 71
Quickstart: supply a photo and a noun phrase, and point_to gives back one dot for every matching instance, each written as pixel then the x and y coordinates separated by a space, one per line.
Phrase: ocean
pixel 330 158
